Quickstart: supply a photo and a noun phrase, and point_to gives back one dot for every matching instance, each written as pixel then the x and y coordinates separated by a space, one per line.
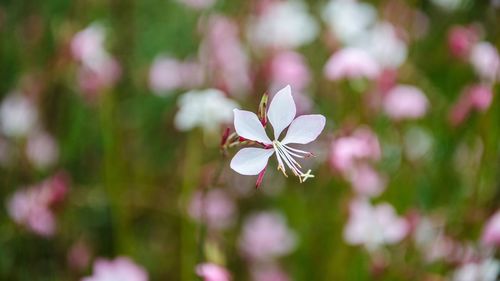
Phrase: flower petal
pixel 248 126
pixel 251 161
pixel 304 129
pixel 281 111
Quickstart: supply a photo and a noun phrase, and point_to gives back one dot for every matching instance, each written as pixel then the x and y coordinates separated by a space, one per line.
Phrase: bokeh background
pixel 112 112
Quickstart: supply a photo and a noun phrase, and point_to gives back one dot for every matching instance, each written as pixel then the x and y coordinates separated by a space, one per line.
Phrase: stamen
pixel 298 150
pixel 280 162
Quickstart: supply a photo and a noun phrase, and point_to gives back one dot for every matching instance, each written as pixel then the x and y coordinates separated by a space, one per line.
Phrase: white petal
pixel 281 110
pixel 251 161
pixel 248 126
pixel 304 129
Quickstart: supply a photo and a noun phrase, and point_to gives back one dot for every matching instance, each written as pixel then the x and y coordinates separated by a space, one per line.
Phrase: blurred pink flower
pixel 216 209
pixel 281 114
pixel 283 25
pixel 476 97
pixel 461 39
pixel 405 102
pixel 366 180
pixel 486 61
pixel 212 272
pixel 491 232
pixel 222 53
pixel 78 256
pixel 266 236
pixel 32 207
pixel 119 269
pixel 351 63
pixel 198 4
pixel 269 273
pixel 99 69
pixel 42 150
pixel 167 74
pixel 290 67
pixel 18 115
pixel 361 145
pixel 374 226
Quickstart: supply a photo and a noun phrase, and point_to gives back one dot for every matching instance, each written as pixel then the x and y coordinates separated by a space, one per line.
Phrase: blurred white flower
pixel 374 226
pixel 18 115
pixel 384 45
pixel 215 208
pixel 405 102
pixel 119 269
pixel 167 74
pixel 207 109
pixel 284 24
pixel 266 236
pixel 485 59
pixel 450 5
pixel 42 149
pixel 485 270
pixel 417 143
pixel 349 20
pixel 351 63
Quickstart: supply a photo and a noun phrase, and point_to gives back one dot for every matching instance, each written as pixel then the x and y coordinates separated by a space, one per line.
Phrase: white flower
pixel 384 45
pixel 281 114
pixel 373 226
pixel 207 109
pixel 18 115
pixel 349 20
pixel 486 270
pixel 485 59
pixel 285 24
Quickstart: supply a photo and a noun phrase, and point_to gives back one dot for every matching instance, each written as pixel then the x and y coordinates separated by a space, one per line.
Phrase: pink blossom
pixel 98 69
pixel 223 55
pixel 266 236
pixel 42 150
pixel 290 67
pixel 32 207
pixel 405 102
pixel 491 232
pixel 78 256
pixel 167 74
pixel 351 63
pixel 212 272
pixel 476 97
pixel 461 39
pixel 361 145
pixel 366 180
pixel 486 61
pixel 269 273
pixel 216 208
pixel 374 226
pixel 119 269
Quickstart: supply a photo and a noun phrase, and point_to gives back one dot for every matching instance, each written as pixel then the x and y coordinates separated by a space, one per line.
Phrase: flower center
pixel 285 155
